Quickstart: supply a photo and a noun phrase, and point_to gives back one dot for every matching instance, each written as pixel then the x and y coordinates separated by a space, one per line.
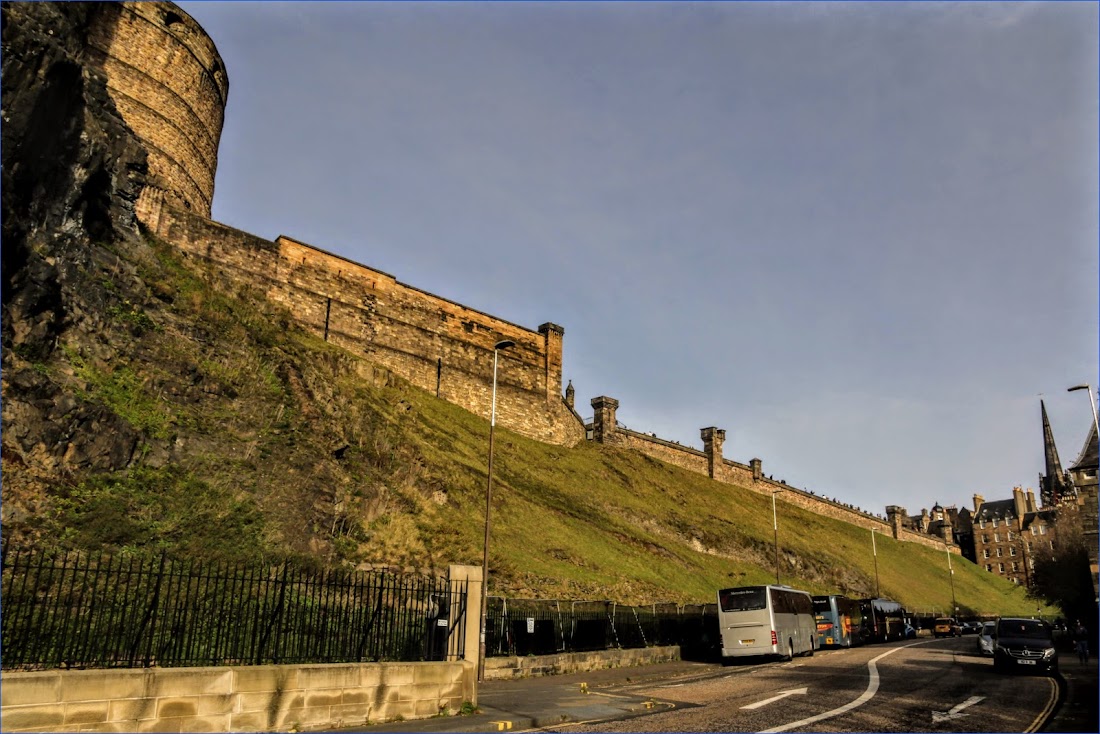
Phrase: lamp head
pixel 504 344
pixel 1079 387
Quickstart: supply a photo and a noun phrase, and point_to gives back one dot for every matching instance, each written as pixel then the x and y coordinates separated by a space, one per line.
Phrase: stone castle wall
pixel 606 429
pixel 438 345
pixel 168 82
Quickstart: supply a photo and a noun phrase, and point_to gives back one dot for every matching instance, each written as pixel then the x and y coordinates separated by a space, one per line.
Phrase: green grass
pixel 260 441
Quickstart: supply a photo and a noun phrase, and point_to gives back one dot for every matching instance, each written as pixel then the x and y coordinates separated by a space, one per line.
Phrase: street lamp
pixel 502 344
pixel 951 575
pixel 1088 389
pixel 874 549
pixel 775 530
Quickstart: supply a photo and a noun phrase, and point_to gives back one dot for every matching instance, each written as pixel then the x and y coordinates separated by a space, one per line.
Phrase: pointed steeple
pixel 1052 484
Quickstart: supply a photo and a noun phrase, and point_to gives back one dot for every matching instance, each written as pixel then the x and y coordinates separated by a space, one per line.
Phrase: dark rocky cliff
pixel 72 171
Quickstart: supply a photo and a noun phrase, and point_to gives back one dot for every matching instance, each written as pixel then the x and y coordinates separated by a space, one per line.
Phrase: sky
pixel 860 237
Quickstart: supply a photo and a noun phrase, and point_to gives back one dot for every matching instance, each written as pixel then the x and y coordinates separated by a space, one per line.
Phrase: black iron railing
pixel 79 611
pixel 543 627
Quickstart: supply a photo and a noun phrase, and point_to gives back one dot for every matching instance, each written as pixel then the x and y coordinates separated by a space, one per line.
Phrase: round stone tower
pixel 170 87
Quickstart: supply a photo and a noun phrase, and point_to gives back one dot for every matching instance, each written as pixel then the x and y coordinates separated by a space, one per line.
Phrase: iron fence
pixel 80 611
pixel 543 627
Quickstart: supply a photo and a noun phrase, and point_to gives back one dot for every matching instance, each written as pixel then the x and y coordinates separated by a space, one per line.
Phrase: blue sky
pixel 862 238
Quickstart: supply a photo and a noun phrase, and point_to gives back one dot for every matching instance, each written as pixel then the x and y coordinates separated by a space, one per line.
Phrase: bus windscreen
pixel 742 600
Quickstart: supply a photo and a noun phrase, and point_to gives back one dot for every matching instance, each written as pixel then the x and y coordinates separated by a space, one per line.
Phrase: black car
pixel 1024 645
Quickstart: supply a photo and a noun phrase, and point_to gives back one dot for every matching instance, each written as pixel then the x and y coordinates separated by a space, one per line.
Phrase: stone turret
pixel 713 438
pixel 604 423
pixel 168 82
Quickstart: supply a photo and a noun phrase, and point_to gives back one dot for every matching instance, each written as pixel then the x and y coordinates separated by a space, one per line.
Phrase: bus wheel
pixel 813 647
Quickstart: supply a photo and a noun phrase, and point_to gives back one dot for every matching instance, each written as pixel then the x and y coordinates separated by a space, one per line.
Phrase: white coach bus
pixel 766 620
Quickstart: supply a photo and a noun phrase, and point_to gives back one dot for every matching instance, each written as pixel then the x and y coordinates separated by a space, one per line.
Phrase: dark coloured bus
pixel 839 621
pixel 766 620
pixel 883 620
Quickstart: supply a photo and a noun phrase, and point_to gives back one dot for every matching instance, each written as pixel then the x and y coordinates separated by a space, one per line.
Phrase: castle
pixel 170 86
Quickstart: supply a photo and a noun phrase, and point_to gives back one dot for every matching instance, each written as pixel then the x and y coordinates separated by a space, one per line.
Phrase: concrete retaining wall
pixel 222 699
pixel 576 662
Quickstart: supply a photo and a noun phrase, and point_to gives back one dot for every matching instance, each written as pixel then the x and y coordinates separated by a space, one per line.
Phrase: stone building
pixel 1007 533
pixel 1083 475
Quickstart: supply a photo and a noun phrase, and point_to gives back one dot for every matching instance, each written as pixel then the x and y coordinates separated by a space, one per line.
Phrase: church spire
pixel 1052 484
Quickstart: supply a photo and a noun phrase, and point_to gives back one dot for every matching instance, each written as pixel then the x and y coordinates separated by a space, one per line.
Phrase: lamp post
pixel 502 344
pixel 951 576
pixel 1088 389
pixel 874 550
pixel 775 531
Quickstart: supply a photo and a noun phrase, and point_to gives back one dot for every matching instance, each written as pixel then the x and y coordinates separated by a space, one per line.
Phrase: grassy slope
pixel 261 441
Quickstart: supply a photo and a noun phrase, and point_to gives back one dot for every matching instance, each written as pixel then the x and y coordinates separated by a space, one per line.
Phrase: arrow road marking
pixel 957 711
pixel 773 699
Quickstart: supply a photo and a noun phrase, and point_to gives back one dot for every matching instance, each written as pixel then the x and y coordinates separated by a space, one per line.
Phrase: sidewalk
pixel 531 703
pixel 1078 712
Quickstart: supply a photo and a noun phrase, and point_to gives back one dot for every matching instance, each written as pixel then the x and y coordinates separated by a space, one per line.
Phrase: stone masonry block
pixel 397 675
pixel 435 673
pixel 323 697
pixel 131 709
pixel 265 678
pixel 159 725
pixel 214 722
pixel 85 713
pixel 100 685
pixel 351 714
pixel 31 717
pixel 327 676
pixel 191 681
pixel 249 721
pixel 18 689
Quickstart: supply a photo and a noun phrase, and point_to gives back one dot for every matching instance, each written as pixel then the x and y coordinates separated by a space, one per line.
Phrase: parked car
pixel 910 631
pixel 985 639
pixel 971 628
pixel 946 627
pixel 1024 645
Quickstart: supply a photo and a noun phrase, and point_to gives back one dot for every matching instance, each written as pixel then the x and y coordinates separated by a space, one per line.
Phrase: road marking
pixel 872 689
pixel 773 699
pixel 957 711
pixel 502 725
pixel 1041 719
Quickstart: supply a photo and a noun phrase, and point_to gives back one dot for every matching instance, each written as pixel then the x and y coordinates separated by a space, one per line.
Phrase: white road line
pixel 773 699
pixel 872 689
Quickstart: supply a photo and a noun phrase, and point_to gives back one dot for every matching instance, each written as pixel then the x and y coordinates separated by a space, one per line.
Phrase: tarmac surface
pixel 545 702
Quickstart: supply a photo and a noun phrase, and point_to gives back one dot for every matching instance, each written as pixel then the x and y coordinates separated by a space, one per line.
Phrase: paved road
pixel 918 685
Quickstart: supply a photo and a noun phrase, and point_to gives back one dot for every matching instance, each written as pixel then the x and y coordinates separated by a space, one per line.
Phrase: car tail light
pixel 775 639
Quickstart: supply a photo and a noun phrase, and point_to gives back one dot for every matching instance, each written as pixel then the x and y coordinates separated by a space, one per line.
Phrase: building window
pixel 985 553
pixel 1031 563
pixel 994 522
pixel 985 537
pixel 1001 567
pixel 1033 530
pixel 996 537
pixel 1042 530
pixel 989 567
pixel 999 553
pixel 1012 551
pixel 1015 566
pixel 981 524
pixel 1010 535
